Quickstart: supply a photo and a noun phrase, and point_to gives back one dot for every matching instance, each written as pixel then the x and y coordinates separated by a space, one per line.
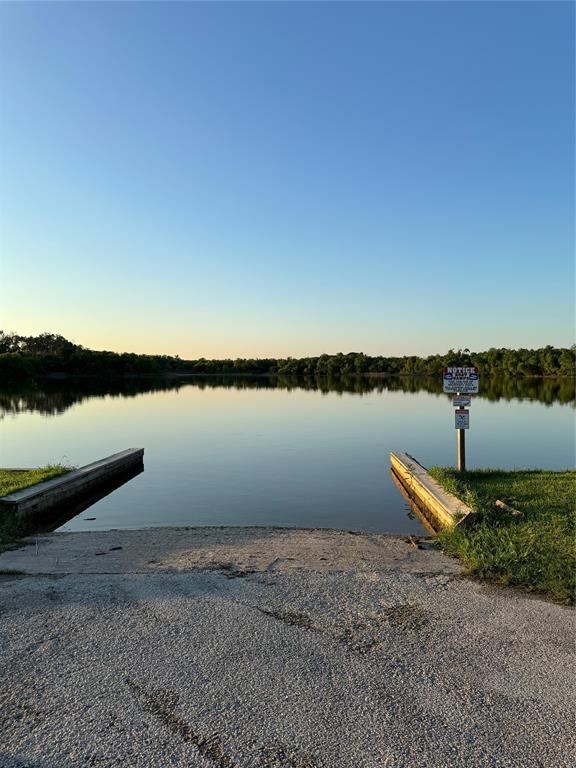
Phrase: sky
pixel 253 179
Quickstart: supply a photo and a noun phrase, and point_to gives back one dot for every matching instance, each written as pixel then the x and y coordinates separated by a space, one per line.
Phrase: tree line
pixel 23 357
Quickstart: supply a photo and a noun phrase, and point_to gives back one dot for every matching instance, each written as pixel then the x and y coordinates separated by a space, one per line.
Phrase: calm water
pixel 258 452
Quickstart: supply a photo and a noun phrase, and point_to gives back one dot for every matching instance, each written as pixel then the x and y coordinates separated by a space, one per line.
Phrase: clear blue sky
pixel 252 179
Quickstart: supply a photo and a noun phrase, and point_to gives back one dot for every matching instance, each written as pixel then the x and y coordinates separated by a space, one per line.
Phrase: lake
pixel 259 451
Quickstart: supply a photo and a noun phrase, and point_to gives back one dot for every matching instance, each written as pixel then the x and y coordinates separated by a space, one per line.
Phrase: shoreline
pixel 245 549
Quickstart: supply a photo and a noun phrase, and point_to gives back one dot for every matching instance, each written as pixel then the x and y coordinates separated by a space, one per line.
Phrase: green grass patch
pixel 535 549
pixel 12 480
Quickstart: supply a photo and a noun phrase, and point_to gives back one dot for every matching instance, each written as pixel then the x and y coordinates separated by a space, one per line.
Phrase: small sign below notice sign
pixel 461 401
pixel 461 379
pixel 462 418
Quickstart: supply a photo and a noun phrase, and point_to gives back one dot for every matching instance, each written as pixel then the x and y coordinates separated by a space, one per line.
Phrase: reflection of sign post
pixel 461 381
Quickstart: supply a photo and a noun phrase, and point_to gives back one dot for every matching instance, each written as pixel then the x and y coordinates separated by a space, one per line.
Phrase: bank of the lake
pixel 531 543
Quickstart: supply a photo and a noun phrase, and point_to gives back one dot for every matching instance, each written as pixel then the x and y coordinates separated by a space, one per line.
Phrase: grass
pixel 12 480
pixel 536 549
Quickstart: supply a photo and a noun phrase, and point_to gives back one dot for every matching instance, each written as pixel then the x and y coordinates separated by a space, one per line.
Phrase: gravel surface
pixel 242 648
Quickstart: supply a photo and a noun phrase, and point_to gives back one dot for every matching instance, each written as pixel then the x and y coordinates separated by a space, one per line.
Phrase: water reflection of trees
pixel 51 398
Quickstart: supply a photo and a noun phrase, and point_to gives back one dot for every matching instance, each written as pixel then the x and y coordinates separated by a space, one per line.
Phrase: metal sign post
pixel 462 382
pixel 462 422
pixel 461 466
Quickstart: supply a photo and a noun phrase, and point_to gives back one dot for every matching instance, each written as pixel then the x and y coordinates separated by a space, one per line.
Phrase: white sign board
pixel 463 380
pixel 462 418
pixel 461 401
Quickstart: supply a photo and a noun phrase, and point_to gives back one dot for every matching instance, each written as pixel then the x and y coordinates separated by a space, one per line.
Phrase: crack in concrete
pixel 359 635
pixel 162 704
pixel 291 617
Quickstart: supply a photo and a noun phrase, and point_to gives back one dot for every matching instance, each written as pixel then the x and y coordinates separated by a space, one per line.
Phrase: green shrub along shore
pixel 535 549
pixel 12 480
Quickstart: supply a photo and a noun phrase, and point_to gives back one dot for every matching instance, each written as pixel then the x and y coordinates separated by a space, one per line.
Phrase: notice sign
pixel 462 418
pixel 461 401
pixel 463 380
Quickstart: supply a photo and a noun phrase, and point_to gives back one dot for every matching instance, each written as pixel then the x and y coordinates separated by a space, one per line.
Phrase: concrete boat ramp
pixel 274 648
